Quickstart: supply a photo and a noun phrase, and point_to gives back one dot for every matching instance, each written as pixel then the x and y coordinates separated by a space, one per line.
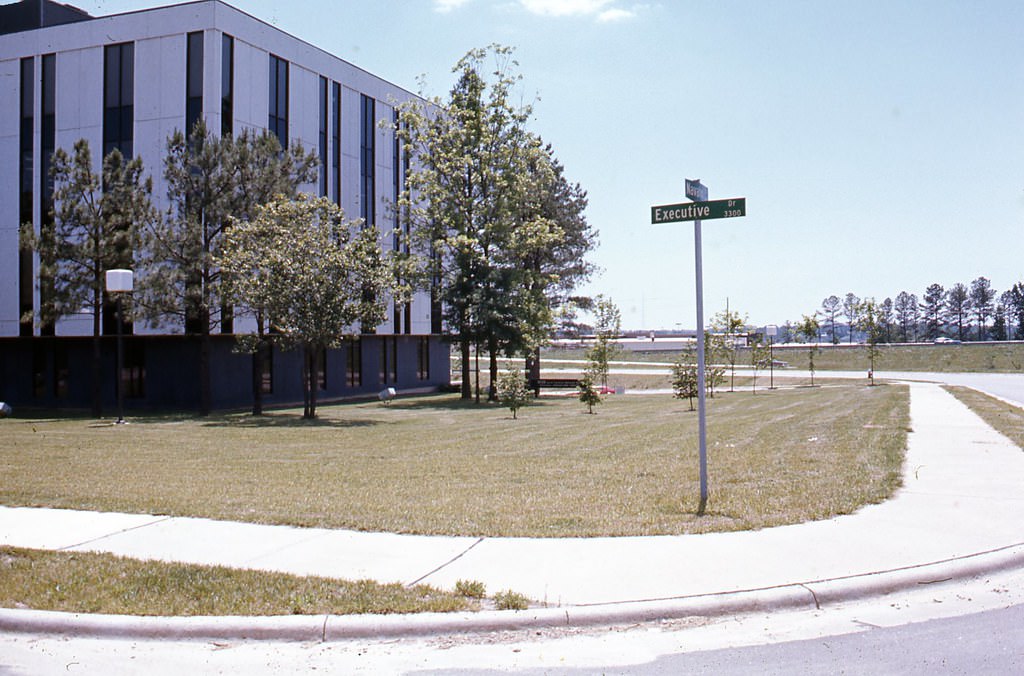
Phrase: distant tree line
pixel 962 312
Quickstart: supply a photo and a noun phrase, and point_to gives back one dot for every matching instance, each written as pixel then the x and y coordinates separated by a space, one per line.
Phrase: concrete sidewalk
pixel 959 513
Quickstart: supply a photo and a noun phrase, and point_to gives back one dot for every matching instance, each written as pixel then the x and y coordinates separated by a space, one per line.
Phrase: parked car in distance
pixel 942 340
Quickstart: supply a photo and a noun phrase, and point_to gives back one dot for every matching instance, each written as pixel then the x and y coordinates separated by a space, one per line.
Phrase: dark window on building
pixel 227 85
pixel 367 192
pixel 336 140
pixel 396 193
pixel 227 318
pixel 133 373
pixel 278 121
pixel 402 225
pixel 388 360
pixel 48 129
pixel 26 303
pixel 354 363
pixel 227 126
pixel 324 164
pixel 267 369
pixel 38 369
pixel 436 320
pixel 423 358
pixel 118 134
pixel 47 144
pixel 193 80
pixel 118 98
pixel 60 369
pixel 394 358
pixel 396 183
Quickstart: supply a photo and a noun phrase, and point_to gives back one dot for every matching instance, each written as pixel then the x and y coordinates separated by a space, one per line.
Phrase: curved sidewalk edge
pixel 812 594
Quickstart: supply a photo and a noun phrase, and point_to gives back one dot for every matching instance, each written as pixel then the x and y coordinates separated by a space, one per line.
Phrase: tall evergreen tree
pixel 95 223
pixel 982 296
pixel 830 310
pixel 885 314
pixel 905 308
pixel 999 323
pixel 933 305
pixel 208 180
pixel 851 308
pixel 1013 299
pixel 500 227
pixel 958 306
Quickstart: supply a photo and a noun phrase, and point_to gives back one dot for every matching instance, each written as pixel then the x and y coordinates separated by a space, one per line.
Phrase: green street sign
pixel 699 211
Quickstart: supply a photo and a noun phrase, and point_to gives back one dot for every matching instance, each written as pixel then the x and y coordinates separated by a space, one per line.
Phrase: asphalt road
pixel 984 643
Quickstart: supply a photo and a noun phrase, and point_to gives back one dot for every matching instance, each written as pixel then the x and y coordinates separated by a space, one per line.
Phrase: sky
pixel 879 144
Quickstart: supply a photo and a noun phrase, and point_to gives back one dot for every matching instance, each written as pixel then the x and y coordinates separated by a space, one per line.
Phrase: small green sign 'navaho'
pixel 699 211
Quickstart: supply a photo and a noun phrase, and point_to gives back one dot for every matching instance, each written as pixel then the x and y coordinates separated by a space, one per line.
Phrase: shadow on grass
pixel 292 421
pixel 438 402
pixel 329 414
pixel 237 421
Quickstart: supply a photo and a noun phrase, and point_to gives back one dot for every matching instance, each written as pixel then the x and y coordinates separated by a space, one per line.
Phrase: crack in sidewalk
pixel 446 563
pixel 110 535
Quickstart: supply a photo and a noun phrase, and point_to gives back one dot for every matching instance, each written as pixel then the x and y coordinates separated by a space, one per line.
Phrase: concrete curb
pixel 811 594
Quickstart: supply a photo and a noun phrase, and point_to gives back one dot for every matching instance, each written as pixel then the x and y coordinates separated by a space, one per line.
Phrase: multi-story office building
pixel 130 80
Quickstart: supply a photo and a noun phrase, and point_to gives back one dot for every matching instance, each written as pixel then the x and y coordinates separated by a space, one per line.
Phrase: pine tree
pixel 95 223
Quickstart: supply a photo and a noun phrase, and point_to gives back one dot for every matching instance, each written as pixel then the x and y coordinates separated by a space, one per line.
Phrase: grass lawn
pixel 962 358
pixel 437 465
pixel 101 583
pixel 1007 419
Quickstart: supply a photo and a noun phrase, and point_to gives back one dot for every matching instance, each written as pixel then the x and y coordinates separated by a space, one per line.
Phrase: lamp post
pixel 119 282
pixel 771 330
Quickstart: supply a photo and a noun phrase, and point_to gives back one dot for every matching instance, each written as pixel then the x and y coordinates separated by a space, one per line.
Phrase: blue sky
pixel 879 144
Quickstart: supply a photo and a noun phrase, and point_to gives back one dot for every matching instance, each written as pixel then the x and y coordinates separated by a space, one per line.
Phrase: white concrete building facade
pixel 130 81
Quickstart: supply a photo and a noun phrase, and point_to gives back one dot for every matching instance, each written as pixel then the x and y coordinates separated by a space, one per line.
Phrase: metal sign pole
pixel 700 208
pixel 699 194
pixel 701 420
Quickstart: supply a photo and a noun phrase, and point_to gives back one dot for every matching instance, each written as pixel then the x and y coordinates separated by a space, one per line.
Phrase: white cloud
pixel 445 6
pixel 615 14
pixel 564 7
pixel 602 10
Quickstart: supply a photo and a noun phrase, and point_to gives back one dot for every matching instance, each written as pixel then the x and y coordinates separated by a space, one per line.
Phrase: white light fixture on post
pixel 771 331
pixel 120 282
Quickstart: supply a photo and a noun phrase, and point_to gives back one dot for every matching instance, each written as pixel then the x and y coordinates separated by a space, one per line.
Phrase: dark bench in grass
pixel 555 383
pixel 536 384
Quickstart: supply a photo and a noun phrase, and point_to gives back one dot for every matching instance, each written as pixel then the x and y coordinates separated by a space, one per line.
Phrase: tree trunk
pixel 97 355
pixel 257 379
pixel 476 369
pixel 533 370
pixel 492 349
pixel 258 359
pixel 305 382
pixel 97 370
pixel 314 380
pixel 467 388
